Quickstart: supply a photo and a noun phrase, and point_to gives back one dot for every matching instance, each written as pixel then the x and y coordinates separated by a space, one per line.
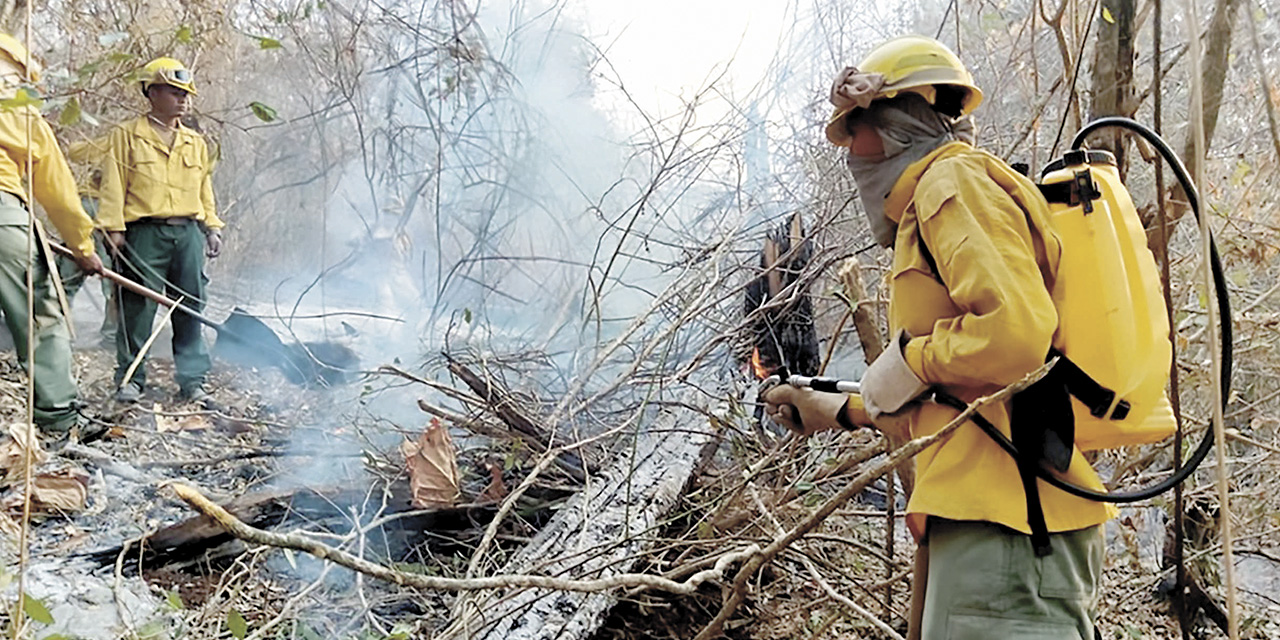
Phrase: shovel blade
pixel 248 341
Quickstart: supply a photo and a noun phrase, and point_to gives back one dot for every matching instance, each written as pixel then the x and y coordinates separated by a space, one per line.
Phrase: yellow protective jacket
pixel 142 177
pixel 51 181
pixel 990 324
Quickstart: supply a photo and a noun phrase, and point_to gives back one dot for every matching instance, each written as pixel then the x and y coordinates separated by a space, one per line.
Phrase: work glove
pixel 889 383
pixel 213 243
pixel 806 412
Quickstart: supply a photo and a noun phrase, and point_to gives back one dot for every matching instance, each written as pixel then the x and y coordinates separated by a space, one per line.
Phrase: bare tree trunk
pixel 1112 80
pixel 1215 62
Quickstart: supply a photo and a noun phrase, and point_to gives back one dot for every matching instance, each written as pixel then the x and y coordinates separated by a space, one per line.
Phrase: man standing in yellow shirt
pixel 27 141
pixel 156 204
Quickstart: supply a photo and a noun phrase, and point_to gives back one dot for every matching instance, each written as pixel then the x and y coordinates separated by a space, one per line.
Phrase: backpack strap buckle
pixel 1084 191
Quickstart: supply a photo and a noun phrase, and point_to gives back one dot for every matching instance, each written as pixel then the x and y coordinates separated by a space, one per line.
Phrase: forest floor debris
pixel 268 437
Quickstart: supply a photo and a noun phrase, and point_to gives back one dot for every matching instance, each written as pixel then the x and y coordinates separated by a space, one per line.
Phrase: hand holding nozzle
pixel 807 405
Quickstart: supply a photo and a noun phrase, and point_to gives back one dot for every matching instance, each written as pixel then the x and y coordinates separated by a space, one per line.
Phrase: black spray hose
pixel 1224 311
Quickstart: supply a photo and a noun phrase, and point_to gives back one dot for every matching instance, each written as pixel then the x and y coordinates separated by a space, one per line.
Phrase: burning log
pixel 783 333
pixel 601 532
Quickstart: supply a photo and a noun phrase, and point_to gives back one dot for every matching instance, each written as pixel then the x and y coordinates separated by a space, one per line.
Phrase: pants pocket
pixel 1068 573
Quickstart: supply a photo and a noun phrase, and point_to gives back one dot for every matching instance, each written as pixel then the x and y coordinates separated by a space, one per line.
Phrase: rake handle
pixel 145 292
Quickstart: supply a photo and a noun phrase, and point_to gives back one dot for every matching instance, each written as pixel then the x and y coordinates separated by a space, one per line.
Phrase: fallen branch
pixel 900 455
pixel 299 542
pixel 526 427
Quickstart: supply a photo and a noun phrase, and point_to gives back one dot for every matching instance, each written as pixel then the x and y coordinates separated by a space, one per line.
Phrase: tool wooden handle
pixel 145 292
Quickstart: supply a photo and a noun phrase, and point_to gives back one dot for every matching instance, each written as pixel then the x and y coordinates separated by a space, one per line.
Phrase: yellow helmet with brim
pixel 17 53
pixel 167 71
pixel 918 64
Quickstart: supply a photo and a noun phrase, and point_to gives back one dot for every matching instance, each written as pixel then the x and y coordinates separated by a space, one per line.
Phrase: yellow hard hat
pixel 907 63
pixel 15 52
pixel 167 71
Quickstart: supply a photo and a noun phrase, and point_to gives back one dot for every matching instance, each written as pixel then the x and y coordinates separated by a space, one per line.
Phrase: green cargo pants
pixel 52 384
pixel 986 582
pixel 169 259
pixel 73 279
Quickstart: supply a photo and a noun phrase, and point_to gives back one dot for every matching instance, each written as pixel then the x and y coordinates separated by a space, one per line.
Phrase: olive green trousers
pixel 73 279
pixel 986 582
pixel 169 259
pixel 53 386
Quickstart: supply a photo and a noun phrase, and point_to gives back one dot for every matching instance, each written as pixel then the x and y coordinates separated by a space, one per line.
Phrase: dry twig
pixel 322 551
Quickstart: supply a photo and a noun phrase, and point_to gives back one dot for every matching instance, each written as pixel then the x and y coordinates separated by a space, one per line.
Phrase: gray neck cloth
pixel 910 130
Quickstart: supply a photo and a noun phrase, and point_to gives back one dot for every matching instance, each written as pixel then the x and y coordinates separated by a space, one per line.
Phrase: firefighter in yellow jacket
pixel 971 313
pixel 156 204
pixel 25 137
pixel 87 156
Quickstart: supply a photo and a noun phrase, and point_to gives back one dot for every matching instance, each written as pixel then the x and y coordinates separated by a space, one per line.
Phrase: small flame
pixel 757 367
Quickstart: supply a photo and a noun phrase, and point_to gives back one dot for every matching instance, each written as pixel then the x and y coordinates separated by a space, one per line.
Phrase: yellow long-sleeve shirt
pixel 51 181
pixel 991 323
pixel 143 177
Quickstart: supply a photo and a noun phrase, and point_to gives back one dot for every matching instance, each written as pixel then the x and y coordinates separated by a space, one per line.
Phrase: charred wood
pixel 201 540
pixel 784 334
pixel 602 531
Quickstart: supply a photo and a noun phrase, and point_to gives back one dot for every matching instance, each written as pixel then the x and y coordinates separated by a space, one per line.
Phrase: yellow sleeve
pixel 87 151
pixel 210 216
pixel 115 181
pixel 985 254
pixel 55 189
pixel 856 410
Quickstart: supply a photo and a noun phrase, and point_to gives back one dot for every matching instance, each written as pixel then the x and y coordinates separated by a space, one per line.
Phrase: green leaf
pixel 153 630
pixel 804 486
pixel 1106 15
pixel 174 601
pixel 119 56
pixel 36 610
pixel 70 113
pixel 184 34
pixel 237 625
pixel 263 112
pixel 401 631
pixel 24 97
pixel 466 316
pixel 266 43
